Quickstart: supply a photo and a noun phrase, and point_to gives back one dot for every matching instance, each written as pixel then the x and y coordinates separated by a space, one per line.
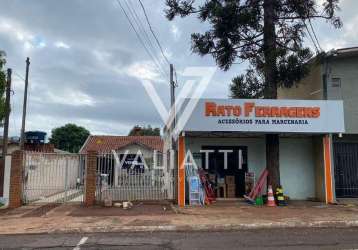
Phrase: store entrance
pixel 229 182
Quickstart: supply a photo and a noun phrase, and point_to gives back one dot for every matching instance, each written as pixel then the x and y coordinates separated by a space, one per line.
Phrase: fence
pixel 53 178
pixel 38 177
pixel 136 182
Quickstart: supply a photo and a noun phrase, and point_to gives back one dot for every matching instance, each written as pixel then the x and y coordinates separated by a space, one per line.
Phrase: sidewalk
pixel 164 217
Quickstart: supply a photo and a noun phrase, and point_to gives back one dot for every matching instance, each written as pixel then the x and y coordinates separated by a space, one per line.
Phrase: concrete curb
pixel 206 227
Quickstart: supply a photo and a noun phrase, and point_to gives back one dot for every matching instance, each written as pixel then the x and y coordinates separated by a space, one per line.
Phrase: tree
pixel 2 86
pixel 247 86
pixel 268 34
pixel 144 131
pixel 69 137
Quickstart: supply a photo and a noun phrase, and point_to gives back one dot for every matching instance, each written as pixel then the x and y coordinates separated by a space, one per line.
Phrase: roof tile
pixel 107 143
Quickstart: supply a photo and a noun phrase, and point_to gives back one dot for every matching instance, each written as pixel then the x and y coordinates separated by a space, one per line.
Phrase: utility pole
pixel 172 102
pixel 171 129
pixel 6 128
pixel 172 87
pixel 22 138
pixel 7 113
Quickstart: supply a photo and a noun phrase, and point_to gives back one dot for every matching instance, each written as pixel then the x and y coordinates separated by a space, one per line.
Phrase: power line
pixel 314 34
pixel 153 33
pixel 139 22
pixel 138 36
pixel 140 25
pixel 18 75
pixel 310 35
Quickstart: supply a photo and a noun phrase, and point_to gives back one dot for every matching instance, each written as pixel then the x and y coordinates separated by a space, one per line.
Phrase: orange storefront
pixel 226 137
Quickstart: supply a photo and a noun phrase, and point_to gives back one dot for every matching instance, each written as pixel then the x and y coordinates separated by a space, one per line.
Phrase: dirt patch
pixel 148 223
pixel 17 211
pixel 137 209
pixel 40 211
pixel 4 211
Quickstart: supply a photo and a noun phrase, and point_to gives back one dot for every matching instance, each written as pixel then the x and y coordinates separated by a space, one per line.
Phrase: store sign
pixel 263 115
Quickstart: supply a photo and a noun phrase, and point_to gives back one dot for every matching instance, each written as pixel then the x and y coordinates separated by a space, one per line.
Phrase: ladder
pixel 258 187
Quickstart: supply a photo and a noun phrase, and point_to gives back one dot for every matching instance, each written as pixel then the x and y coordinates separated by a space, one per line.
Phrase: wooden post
pixel 24 108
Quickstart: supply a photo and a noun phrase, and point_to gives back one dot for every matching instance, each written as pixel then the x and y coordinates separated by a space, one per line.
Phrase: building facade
pixel 226 139
pixel 335 77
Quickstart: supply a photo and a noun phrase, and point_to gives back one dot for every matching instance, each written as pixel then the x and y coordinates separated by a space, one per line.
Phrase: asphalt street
pixel 312 238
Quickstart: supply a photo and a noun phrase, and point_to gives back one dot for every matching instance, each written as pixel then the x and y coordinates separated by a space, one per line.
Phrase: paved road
pixel 248 239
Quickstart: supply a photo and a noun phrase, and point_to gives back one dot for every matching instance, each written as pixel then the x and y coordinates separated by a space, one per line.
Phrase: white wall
pixel 296 160
pixel 297 170
pixel 6 188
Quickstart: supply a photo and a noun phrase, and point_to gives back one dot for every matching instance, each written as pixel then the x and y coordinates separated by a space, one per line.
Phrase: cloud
pixel 61 45
pixel 176 32
pixel 332 38
pixel 69 97
pixel 145 70
pixel 17 32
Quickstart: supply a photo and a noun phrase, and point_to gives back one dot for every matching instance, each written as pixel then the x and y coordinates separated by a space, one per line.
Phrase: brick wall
pixel 15 194
pixel 90 178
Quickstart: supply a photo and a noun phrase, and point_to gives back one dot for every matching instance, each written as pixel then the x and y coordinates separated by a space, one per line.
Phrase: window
pixel 336 82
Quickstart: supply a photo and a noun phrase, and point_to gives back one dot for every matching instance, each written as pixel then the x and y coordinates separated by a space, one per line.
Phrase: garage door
pixel 346 169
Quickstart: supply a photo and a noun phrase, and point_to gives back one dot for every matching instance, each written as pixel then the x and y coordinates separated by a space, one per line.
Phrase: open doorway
pixel 229 182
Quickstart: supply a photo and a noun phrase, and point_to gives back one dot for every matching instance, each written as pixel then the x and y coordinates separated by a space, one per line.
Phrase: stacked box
pixel 231 190
pixel 230 179
pixel 230 186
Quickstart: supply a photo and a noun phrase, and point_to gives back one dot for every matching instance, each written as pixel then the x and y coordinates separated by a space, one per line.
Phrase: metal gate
pixel 53 177
pixel 346 169
pixel 133 184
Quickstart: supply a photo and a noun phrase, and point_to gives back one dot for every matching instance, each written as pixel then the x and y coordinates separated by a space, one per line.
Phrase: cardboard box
pixel 230 179
pixel 231 190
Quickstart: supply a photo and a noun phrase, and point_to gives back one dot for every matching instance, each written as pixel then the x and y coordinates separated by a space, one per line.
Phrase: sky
pixel 87 63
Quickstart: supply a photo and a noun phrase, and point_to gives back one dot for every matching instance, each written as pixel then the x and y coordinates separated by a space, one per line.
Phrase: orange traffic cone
pixel 270 198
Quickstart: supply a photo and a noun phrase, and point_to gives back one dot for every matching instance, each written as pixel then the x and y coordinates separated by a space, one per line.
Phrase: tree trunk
pixel 270 91
pixel 272 160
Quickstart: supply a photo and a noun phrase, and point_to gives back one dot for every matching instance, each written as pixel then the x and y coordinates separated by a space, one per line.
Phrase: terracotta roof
pixel 106 143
